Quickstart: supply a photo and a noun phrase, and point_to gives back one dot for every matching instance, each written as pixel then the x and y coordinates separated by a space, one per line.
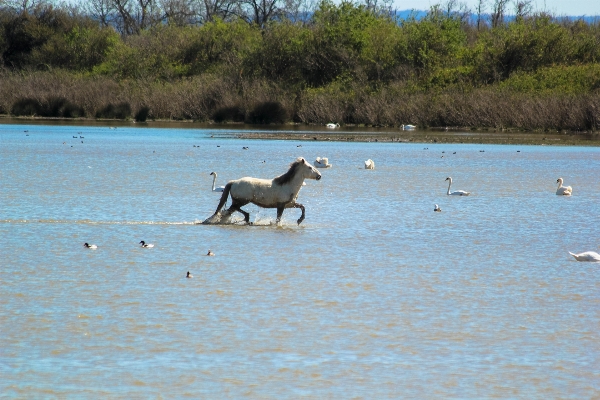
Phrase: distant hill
pixel 418 14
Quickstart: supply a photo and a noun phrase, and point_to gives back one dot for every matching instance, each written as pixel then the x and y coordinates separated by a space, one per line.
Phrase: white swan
pixel 563 190
pixel 322 162
pixel 146 245
pixel 90 246
pixel 369 164
pixel 437 208
pixel 587 256
pixel 408 127
pixel 218 189
pixel 210 253
pixel 456 193
pixel 331 125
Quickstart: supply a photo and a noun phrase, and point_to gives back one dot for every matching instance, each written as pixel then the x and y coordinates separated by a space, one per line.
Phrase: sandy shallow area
pixel 432 136
pixel 346 133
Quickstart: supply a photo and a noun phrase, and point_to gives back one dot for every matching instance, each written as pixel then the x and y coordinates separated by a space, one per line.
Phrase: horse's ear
pixel 302 159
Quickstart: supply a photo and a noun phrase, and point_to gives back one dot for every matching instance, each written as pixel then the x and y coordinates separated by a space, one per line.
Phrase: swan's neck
pixel 449 183
pixel 560 184
pixel 214 180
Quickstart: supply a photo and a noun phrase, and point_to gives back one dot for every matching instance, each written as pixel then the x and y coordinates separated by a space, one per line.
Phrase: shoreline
pixel 347 133
pixel 429 136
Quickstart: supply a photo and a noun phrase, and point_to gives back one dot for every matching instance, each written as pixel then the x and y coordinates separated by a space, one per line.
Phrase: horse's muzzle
pixel 318 177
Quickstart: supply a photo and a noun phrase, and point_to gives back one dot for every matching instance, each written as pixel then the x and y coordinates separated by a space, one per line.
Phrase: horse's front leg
pixel 280 208
pixel 300 206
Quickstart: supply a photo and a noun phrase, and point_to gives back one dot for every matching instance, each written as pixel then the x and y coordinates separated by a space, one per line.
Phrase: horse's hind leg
pixel 237 206
pixel 300 206
pixel 246 215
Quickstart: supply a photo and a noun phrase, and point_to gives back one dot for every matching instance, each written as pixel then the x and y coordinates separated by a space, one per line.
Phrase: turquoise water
pixel 373 296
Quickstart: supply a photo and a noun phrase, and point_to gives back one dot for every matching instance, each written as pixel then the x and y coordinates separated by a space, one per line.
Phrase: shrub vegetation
pixel 346 62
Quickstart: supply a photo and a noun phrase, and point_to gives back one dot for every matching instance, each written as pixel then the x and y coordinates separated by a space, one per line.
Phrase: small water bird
pixel 408 127
pixel 210 253
pixel 216 189
pixel 331 125
pixel 587 256
pixel 437 208
pixel 245 148
pixel 189 275
pixel 563 190
pixel 369 164
pixel 322 162
pixel 90 246
pixel 146 245
pixel 456 193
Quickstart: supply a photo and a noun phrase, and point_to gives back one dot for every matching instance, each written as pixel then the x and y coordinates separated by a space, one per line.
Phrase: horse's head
pixel 299 168
pixel 308 170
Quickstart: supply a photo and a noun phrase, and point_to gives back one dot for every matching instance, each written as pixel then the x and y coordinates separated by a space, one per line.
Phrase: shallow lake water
pixel 373 296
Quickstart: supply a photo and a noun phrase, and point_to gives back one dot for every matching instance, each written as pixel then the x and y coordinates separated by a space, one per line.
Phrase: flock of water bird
pixel 323 162
pixel 145 245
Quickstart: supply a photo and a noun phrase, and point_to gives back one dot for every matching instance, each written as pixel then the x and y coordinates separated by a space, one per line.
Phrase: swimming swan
pixel 456 193
pixel 563 190
pixel 587 256
pixel 408 127
pixel 90 246
pixel 437 208
pixel 322 162
pixel 146 245
pixel 218 189
pixel 369 164
pixel 332 125
pixel 189 275
pixel 210 253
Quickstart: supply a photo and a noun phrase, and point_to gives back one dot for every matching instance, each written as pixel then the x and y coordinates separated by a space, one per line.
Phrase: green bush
pixel 233 114
pixel 115 111
pixel 26 107
pixel 270 112
pixel 56 107
pixel 142 114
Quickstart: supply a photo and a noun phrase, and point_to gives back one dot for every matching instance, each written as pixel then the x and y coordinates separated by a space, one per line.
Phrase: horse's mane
pixel 289 175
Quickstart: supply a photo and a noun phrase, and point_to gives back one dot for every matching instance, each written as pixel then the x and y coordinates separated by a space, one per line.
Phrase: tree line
pixel 298 55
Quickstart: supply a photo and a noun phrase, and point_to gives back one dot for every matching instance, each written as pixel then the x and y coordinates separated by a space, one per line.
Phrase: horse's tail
pixel 224 197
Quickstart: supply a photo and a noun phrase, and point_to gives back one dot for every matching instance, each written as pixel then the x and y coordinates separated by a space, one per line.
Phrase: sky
pixel 556 7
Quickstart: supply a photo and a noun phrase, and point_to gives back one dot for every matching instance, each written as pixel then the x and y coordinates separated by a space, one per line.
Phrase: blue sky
pixel 557 7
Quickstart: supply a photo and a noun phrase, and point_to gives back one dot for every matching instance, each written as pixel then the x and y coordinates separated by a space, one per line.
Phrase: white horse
pixel 279 193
